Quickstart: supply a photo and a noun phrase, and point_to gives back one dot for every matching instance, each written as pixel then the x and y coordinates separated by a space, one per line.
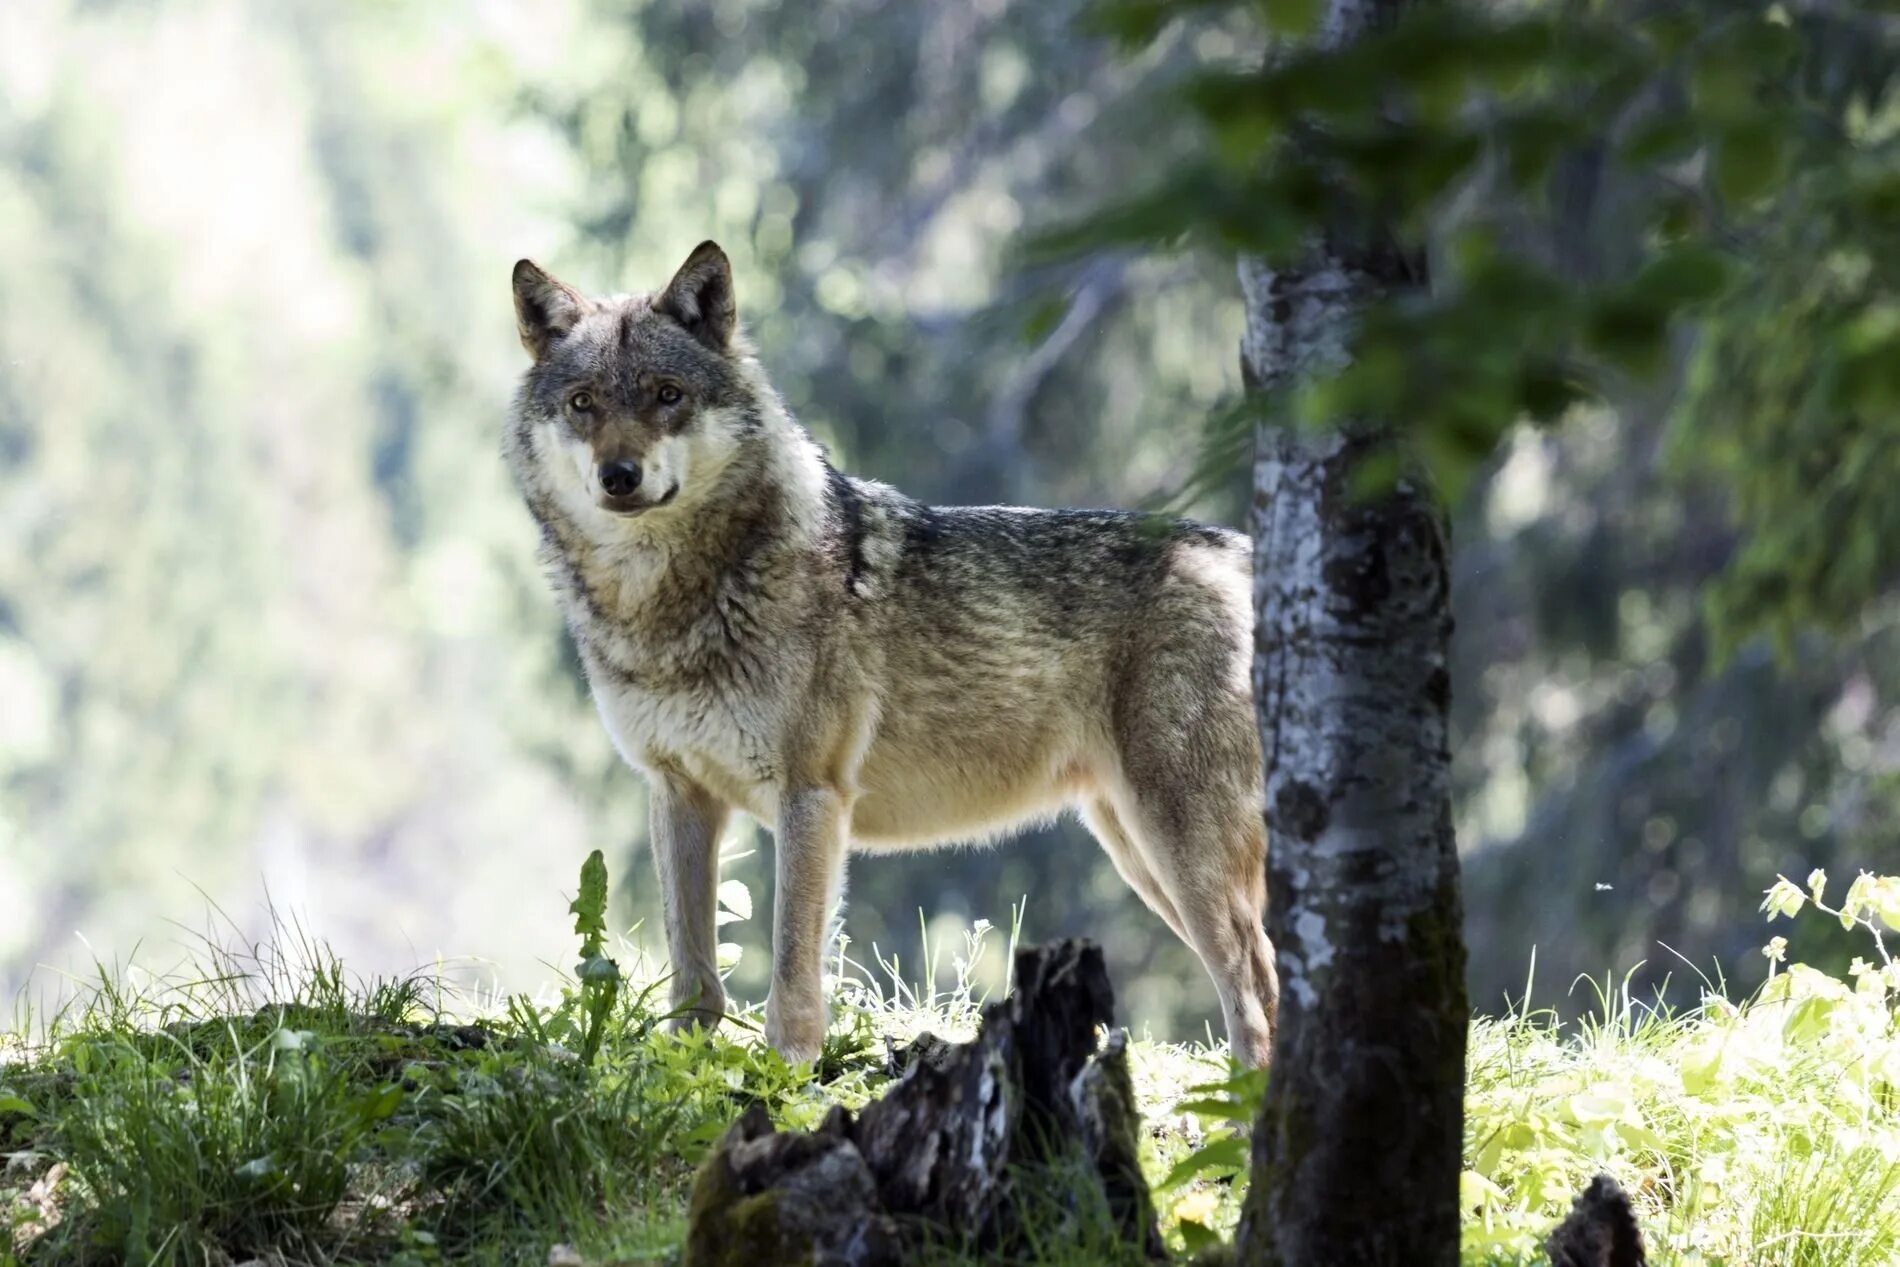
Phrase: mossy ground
pixel 267 1105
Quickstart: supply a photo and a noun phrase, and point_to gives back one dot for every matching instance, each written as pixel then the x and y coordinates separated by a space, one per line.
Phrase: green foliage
pixel 1759 1132
pixel 1229 1108
pixel 266 1103
pixel 1764 1132
pixel 244 1147
pixel 1724 169
pixel 1791 398
pixel 261 1102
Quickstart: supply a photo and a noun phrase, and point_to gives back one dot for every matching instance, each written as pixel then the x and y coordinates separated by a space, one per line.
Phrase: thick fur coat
pixel 857 670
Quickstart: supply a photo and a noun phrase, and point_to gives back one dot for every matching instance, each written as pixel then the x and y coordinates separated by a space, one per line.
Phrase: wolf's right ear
pixel 545 309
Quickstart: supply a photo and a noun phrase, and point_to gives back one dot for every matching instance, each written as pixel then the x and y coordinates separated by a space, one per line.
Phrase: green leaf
pixel 590 907
pixel 1701 1065
pixel 1248 1085
pixel 1685 275
pixel 1809 1018
pixel 1291 17
pixel 1228 1153
pixel 14 1104
pixel 1783 898
pixel 1720 84
pixel 1601 1105
pixel 1883 899
pixel 1627 329
pixel 381 1103
pixel 1546 390
pixel 1663 139
pixel 1197 1236
pixel 1749 158
pixel 597 968
pixel 1131 22
pixel 1220 1110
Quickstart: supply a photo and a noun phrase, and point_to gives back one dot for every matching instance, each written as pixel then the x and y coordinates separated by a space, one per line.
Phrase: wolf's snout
pixel 619 479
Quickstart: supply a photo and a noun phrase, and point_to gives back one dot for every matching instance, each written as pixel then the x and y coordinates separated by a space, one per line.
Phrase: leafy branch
pixel 1869 898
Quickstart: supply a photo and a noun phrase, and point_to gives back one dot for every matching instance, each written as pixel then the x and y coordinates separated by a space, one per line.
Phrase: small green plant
pixel 1871 900
pixel 598 976
pixel 245 1148
pixel 1227 1110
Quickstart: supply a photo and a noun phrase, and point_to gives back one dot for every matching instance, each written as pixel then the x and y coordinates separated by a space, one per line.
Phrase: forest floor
pixel 266 1106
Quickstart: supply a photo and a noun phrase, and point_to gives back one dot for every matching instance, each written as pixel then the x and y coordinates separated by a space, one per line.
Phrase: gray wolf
pixel 856 670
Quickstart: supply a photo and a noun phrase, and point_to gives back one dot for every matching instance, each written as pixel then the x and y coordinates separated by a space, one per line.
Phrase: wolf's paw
pixel 796 1031
pixel 695 1018
pixel 701 1003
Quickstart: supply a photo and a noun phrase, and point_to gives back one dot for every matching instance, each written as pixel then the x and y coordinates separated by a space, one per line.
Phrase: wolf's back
pixel 1071 570
pixel 1009 603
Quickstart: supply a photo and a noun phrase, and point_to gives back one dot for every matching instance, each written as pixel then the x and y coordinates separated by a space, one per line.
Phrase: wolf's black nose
pixel 619 479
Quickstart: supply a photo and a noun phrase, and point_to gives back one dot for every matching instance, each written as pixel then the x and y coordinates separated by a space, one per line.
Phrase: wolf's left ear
pixel 545 309
pixel 700 297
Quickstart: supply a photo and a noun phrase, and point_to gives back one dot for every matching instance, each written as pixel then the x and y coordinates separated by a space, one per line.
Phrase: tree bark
pixel 1356 1155
pixel 939 1158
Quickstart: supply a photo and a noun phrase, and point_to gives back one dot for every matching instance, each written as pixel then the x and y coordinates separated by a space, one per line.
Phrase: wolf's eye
pixel 581 402
pixel 669 394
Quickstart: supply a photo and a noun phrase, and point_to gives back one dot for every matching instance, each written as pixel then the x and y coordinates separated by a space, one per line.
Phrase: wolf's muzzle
pixel 620 479
pixel 633 503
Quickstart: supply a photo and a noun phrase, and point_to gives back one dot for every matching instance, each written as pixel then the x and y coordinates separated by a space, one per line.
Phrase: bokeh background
pixel 271 632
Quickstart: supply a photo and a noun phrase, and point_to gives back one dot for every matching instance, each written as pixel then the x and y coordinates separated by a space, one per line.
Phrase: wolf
pixel 763 633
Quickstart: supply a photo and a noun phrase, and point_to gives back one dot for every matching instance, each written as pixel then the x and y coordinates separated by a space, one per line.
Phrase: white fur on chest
pixel 728 746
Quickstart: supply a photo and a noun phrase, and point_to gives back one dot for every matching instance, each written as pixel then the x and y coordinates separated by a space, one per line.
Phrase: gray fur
pixel 858 670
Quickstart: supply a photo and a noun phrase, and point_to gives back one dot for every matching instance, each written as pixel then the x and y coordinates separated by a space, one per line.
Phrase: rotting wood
pixel 940 1155
pixel 1600 1230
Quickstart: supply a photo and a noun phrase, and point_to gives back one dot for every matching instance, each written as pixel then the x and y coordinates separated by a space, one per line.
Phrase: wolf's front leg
pixel 811 826
pixel 686 822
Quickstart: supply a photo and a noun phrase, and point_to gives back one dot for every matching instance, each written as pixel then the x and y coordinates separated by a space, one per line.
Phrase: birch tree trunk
pixel 1356 1156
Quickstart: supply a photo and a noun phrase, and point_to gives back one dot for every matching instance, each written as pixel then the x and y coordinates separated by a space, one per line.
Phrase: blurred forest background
pixel 270 622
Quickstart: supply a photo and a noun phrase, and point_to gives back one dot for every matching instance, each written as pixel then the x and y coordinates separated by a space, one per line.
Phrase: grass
pixel 264 1104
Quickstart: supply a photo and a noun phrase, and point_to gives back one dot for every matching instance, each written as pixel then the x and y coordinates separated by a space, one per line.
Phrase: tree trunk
pixel 1356 1156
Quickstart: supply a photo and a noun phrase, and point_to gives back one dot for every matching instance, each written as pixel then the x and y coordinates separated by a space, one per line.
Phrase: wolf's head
pixel 635 402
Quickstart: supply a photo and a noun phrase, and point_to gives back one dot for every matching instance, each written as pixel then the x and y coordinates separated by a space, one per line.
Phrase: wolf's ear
pixel 700 297
pixel 545 309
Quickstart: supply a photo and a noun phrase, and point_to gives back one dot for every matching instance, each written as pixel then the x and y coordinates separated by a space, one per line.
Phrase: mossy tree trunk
pixel 1356 1155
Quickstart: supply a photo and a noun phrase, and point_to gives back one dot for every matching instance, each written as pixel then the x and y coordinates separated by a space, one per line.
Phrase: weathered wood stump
pixel 1600 1230
pixel 937 1156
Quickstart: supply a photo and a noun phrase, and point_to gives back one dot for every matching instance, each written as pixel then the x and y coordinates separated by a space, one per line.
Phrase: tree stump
pixel 1600 1230
pixel 936 1158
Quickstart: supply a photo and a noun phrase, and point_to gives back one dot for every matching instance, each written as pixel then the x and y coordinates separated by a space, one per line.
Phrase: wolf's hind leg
pixel 1106 826
pixel 685 824
pixel 1209 854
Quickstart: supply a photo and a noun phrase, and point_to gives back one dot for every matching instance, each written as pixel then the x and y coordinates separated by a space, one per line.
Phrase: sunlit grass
pixel 263 1101
pixel 1766 1132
